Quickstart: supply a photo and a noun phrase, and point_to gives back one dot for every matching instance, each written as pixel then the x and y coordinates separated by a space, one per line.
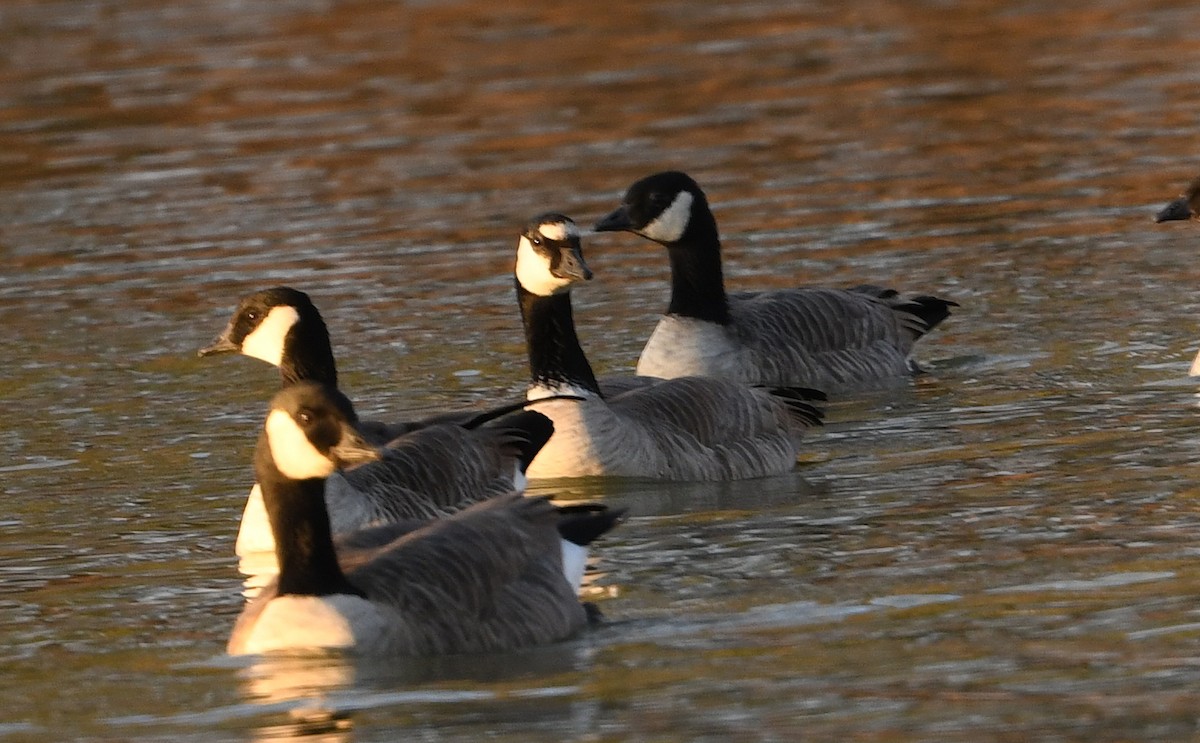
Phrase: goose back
pixel 487 579
pixel 691 428
pixel 831 339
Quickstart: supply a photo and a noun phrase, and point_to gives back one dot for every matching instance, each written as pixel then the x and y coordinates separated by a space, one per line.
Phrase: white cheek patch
pixel 294 454
pixel 669 226
pixel 533 271
pixel 558 230
pixel 266 341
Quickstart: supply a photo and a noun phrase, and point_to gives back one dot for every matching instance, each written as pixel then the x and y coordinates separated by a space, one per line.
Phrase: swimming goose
pixel 429 468
pixel 831 339
pixel 693 428
pixel 488 579
pixel 1187 206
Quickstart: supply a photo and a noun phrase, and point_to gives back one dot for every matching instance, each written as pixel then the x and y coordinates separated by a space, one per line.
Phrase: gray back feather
pixel 823 338
pixel 428 473
pixel 698 428
pixel 488 578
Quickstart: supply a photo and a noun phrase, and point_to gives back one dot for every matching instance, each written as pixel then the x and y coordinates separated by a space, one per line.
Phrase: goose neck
pixel 556 360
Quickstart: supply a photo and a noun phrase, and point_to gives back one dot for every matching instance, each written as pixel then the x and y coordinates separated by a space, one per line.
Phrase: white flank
pixel 533 271
pixel 1195 370
pixel 672 223
pixel 574 560
pixel 266 341
pixel 294 454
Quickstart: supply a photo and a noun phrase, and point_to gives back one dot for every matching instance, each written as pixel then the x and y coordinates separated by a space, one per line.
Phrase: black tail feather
pixel 533 431
pixel 799 402
pixel 931 310
pixel 583 523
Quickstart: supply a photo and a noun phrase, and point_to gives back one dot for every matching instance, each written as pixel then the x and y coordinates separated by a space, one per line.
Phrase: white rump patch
pixel 558 230
pixel 669 226
pixel 533 271
pixel 294 454
pixel 266 341
pixel 574 560
pixel 519 481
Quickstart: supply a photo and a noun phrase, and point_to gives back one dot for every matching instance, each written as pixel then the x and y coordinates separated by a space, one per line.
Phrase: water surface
pixel 1002 550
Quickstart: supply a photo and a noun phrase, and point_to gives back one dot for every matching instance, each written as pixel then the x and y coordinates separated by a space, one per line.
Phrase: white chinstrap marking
pixel 294 454
pixel 669 226
pixel 558 230
pixel 533 271
pixel 266 341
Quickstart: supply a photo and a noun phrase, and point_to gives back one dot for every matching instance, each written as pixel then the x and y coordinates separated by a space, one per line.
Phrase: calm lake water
pixel 1004 550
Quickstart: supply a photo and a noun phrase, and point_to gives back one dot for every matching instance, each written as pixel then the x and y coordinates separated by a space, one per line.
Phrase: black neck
pixel 697 284
pixel 307 354
pixel 308 357
pixel 555 356
pixel 308 564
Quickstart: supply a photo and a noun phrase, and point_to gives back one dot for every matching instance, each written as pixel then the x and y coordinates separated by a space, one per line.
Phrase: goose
pixel 1186 207
pixel 428 468
pixel 692 428
pixel 488 579
pixel 832 339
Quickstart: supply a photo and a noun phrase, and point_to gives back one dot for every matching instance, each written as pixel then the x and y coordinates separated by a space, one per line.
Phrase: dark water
pixel 1005 550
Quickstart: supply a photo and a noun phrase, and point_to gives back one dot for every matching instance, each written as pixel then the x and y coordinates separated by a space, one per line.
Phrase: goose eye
pixel 304 417
pixel 252 315
pixel 536 240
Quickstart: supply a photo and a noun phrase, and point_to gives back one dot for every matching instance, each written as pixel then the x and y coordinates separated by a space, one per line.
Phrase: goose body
pixel 489 578
pixel 830 339
pixel 691 428
pixel 428 468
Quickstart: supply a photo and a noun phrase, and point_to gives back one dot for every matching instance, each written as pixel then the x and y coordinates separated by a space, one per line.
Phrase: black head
pixel 309 432
pixel 660 207
pixel 550 255
pixel 1185 207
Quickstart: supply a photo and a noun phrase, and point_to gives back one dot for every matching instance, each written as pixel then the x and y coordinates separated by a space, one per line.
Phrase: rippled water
pixel 1004 550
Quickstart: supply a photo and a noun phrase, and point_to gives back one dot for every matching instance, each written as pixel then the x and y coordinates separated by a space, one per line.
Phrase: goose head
pixel 309 433
pixel 1187 206
pixel 662 207
pixel 282 327
pixel 549 256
